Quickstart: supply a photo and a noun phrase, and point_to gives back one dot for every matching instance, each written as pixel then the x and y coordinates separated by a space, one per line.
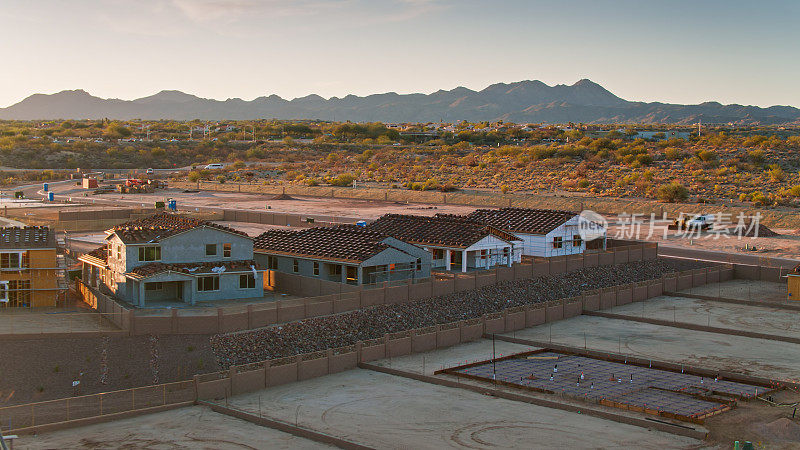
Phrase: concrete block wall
pixel 573 307
pixel 494 323
pixel 283 373
pixel 591 301
pixel 423 340
pixel 624 295
pixel 535 315
pixel 471 330
pixel 339 362
pixel 515 319
pixel 312 367
pixel 373 351
pixel 398 345
pixel 448 335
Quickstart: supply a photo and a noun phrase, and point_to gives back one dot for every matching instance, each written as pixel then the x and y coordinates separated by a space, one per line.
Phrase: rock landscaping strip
pixel 340 330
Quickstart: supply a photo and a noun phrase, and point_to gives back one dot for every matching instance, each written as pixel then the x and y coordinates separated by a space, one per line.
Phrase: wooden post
pixel 101 404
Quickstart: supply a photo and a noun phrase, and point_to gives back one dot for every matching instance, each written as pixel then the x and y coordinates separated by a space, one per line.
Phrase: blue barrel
pixel 173 204
pixel 50 196
pixel 46 187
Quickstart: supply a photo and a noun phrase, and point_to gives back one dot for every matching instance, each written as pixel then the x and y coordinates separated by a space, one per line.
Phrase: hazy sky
pixel 683 51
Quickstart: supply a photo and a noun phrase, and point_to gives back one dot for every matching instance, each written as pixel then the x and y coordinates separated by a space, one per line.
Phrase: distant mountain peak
pixel 168 96
pixel 68 93
pixel 586 82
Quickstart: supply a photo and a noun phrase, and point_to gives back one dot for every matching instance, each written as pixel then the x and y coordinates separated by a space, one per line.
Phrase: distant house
pixel 225 128
pixel 455 243
pixel 29 269
pixel 662 135
pixel 173 258
pixel 346 254
pixel 543 232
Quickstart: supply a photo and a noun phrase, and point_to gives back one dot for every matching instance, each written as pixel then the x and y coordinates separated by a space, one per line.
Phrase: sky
pixel 675 51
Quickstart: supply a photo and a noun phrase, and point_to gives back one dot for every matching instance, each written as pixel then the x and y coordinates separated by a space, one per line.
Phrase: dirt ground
pixel 359 209
pixel 42 369
pixel 763 424
pixel 787 245
pixel 195 427
pixel 52 320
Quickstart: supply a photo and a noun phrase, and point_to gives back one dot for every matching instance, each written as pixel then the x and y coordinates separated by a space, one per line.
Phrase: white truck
pixel 697 222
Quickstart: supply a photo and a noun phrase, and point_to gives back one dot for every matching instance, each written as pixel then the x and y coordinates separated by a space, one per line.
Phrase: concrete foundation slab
pixel 744 290
pixel 386 411
pixel 715 314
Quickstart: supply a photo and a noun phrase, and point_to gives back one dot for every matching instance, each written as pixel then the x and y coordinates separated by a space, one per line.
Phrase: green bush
pixel 342 180
pixel 673 192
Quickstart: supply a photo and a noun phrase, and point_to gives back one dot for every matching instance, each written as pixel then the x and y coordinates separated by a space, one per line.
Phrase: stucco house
pixel 454 242
pixel 169 257
pixel 543 232
pixel 347 254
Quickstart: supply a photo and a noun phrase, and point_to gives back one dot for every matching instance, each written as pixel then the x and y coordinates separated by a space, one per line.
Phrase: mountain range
pixel 520 102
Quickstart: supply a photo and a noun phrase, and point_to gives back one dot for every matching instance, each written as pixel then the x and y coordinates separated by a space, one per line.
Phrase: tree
pixel 116 131
pixel 672 192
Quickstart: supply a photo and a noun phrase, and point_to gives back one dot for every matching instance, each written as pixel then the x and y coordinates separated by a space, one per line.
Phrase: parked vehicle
pixel 697 222
pixel 214 166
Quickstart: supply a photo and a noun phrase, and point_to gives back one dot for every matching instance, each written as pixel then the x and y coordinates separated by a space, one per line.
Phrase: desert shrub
pixel 756 156
pixel 707 155
pixel 644 159
pixel 776 173
pixel 343 180
pixel 672 192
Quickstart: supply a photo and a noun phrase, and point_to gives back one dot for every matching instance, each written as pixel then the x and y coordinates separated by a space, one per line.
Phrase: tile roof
pixel 343 243
pixel 27 237
pixel 150 269
pixel 162 225
pixel 441 229
pixel 98 256
pixel 522 220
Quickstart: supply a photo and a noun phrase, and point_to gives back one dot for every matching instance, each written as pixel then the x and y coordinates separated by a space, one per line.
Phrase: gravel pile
pixel 759 231
pixel 322 333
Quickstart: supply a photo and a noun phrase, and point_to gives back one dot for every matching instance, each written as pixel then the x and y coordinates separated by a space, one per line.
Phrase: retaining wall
pixel 439 336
